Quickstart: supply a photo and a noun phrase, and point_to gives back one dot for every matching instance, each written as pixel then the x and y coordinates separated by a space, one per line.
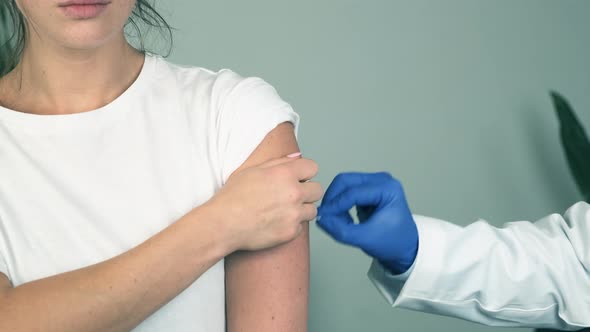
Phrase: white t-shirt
pixel 78 189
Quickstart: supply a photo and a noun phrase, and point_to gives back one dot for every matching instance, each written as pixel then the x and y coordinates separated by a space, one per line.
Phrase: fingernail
pixel 294 155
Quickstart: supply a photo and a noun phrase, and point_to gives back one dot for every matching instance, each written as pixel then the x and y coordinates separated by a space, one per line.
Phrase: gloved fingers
pixel 344 181
pixel 339 228
pixel 364 212
pixel 365 195
pixel 340 183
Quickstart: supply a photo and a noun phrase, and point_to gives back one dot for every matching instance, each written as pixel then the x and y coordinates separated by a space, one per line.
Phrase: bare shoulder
pixel 277 143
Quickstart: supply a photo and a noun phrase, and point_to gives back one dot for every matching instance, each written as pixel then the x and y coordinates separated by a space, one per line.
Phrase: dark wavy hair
pixel 144 18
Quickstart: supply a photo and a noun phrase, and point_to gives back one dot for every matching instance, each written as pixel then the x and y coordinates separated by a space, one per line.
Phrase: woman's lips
pixel 83 9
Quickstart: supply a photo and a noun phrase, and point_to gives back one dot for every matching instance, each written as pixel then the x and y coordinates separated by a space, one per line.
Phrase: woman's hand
pixel 264 206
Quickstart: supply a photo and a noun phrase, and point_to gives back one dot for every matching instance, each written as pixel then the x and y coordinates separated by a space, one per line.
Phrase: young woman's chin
pixel 88 36
pixel 78 24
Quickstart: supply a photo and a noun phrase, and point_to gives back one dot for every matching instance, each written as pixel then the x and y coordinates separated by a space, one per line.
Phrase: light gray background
pixel 449 96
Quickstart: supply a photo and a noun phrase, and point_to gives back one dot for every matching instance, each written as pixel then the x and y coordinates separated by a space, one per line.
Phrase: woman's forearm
pixel 118 294
pixel 257 208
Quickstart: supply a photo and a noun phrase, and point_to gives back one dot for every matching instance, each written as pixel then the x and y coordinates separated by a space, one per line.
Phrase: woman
pixel 125 180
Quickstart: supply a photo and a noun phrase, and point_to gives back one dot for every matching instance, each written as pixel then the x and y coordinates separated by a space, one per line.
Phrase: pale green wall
pixel 450 96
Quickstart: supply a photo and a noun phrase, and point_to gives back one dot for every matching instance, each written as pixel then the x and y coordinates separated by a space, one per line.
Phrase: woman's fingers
pixel 312 192
pixel 282 160
pixel 308 212
pixel 301 168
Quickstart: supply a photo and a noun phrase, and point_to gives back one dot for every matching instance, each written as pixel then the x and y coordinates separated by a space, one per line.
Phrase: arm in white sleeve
pixel 522 275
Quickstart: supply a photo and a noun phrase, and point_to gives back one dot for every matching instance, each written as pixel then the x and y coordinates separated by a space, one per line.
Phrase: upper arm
pixel 5 285
pixel 268 290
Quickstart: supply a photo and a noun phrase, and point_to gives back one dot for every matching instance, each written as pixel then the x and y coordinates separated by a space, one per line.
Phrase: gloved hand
pixel 387 230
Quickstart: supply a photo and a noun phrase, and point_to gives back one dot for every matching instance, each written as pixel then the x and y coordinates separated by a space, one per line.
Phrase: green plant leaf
pixel 575 143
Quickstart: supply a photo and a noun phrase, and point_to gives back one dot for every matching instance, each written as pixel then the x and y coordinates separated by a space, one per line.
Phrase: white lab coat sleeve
pixel 521 275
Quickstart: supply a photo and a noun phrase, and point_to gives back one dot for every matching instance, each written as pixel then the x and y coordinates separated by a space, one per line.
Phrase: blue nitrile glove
pixel 387 230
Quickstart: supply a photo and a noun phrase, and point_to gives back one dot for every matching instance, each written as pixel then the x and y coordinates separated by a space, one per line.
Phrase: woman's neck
pixel 54 80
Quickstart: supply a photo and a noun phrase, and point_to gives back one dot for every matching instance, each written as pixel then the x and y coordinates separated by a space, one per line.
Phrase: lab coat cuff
pixel 399 290
pixel 389 285
pixel 378 266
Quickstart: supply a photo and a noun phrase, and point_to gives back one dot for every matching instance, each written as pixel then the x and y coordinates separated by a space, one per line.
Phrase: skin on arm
pixel 268 290
pixel 268 204
pixel 5 285
pixel 117 294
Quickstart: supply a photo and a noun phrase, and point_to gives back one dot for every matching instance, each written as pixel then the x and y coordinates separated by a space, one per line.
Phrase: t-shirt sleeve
pixel 247 113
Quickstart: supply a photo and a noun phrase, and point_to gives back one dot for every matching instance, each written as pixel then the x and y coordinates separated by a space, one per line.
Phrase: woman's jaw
pixel 75 24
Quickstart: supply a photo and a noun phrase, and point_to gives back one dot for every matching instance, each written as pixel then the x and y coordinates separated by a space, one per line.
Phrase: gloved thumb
pixel 340 227
pixel 365 195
